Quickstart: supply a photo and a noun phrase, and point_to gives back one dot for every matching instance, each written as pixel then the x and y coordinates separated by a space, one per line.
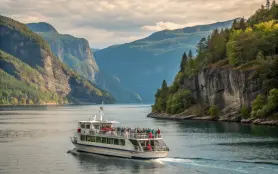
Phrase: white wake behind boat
pixel 103 137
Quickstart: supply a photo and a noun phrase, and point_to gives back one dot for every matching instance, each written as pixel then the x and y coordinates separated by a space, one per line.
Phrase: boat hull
pixel 120 152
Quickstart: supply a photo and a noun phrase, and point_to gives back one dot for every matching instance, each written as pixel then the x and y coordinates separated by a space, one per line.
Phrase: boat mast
pixel 101 109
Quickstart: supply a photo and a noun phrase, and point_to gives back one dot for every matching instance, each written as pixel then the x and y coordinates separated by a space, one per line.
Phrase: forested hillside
pixel 31 74
pixel 235 71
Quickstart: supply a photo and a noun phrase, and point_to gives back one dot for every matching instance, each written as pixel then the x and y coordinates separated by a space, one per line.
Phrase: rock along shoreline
pixel 237 119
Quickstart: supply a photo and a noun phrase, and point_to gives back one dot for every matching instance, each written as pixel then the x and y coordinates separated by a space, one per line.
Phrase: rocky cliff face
pixel 73 51
pixel 18 45
pixel 77 54
pixel 222 86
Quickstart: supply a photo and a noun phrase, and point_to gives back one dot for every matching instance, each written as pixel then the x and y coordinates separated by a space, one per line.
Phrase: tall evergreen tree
pixel 202 45
pixel 273 4
pixel 164 85
pixel 190 55
pixel 164 95
pixel 242 24
pixel 183 62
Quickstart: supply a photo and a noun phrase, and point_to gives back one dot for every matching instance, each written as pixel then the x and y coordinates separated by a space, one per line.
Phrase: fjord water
pixel 36 140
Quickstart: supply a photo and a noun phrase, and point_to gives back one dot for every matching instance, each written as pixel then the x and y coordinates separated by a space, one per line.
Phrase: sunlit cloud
pixel 163 26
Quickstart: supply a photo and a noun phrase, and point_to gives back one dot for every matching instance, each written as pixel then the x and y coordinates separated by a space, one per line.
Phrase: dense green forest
pixel 250 44
pixel 29 89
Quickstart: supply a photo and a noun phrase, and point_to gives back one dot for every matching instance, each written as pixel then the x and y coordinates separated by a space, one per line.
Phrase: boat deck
pixel 123 134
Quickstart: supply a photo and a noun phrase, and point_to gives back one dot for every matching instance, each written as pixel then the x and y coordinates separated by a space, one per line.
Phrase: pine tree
pixel 190 55
pixel 183 62
pixel 235 25
pixel 164 85
pixel 202 45
pixel 242 24
pixel 273 4
pixel 164 95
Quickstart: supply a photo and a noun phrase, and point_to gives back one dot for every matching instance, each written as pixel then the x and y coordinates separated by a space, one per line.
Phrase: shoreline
pixel 44 105
pixel 182 116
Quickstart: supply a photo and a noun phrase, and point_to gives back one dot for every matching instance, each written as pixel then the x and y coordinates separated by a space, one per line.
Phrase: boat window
pixel 87 126
pixel 143 143
pixel 103 140
pixel 116 141
pixel 82 125
pixel 82 137
pixel 88 138
pixel 110 140
pixel 96 126
pixel 161 142
pixel 134 142
pixel 93 139
pixel 122 142
pixel 98 139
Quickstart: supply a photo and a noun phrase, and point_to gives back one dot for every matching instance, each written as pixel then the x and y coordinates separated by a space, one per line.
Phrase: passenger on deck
pixel 149 147
pixel 150 135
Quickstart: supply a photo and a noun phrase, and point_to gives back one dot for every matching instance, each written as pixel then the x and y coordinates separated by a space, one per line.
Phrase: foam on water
pixel 174 160
pixel 220 165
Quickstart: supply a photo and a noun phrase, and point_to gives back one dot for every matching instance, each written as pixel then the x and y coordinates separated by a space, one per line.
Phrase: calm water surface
pixel 36 140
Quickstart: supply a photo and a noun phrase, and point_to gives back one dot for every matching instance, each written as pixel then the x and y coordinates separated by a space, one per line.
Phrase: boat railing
pixel 125 134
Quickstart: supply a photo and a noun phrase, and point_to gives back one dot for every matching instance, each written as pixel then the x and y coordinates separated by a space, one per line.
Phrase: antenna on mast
pixel 101 109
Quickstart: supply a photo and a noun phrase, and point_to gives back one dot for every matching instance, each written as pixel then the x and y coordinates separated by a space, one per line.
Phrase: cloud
pixel 107 22
pixel 162 26
pixel 167 26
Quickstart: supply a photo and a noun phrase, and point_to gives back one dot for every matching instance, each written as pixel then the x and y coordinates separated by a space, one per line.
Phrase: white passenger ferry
pixel 103 137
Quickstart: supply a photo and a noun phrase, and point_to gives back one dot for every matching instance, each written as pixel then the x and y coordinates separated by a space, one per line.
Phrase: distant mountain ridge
pixel 144 63
pixel 41 27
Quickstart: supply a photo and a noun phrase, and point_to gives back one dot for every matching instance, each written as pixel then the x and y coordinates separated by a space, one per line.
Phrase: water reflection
pixel 191 126
pixel 100 163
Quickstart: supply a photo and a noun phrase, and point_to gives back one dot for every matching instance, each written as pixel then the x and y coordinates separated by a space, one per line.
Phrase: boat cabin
pixel 95 134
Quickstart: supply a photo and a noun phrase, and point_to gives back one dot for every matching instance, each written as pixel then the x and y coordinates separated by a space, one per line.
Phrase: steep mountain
pixel 77 54
pixel 31 74
pixel 143 64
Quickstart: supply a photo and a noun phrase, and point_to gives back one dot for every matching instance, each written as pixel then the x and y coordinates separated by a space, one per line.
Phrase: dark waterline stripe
pixel 132 157
pixel 105 147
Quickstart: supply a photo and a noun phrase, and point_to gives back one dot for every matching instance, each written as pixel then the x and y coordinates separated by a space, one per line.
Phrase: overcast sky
pixel 107 22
